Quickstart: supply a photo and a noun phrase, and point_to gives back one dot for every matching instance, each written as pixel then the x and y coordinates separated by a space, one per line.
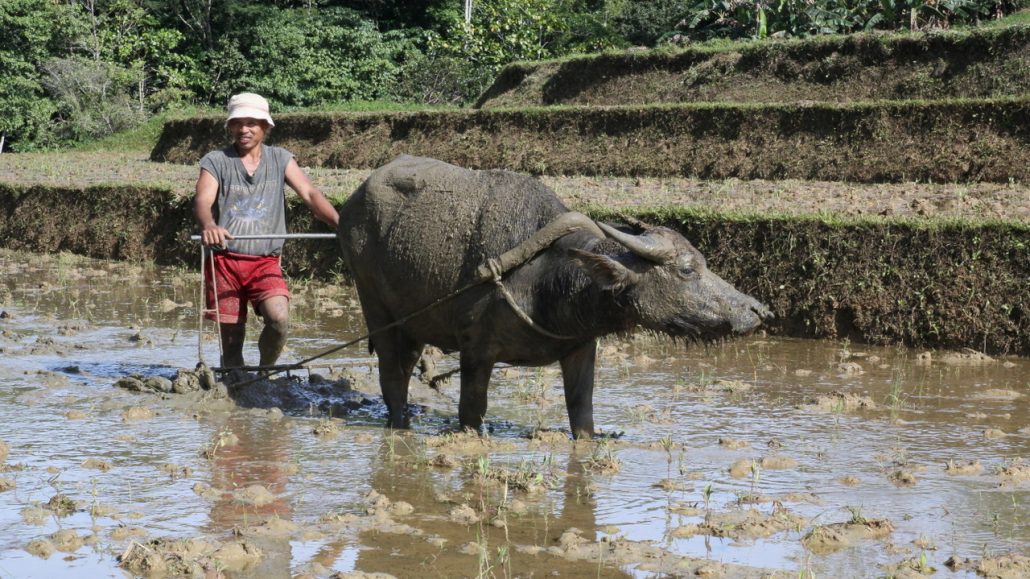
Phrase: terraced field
pixel 808 175
pixel 869 187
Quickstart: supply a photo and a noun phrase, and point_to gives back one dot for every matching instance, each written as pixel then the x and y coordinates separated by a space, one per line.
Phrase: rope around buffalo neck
pixel 496 270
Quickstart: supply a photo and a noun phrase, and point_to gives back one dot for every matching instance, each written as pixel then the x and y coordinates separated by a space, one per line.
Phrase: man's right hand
pixel 214 236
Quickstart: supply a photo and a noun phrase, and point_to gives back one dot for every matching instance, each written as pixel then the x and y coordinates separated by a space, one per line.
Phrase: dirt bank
pixel 918 280
pixel 939 141
pixel 986 63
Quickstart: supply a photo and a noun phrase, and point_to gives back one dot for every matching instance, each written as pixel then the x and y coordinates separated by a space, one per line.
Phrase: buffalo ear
pixel 605 271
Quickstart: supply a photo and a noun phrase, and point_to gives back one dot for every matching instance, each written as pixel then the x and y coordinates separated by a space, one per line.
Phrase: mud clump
pixel 838 402
pixel 185 381
pixel 256 495
pixel 465 443
pixel 573 546
pixel 965 357
pixel 969 467
pixel 175 471
pixel 849 481
pixel 742 467
pixel 274 527
pixel 464 515
pixel 829 538
pixel 41 548
pixel 97 464
pixel 34 515
pixel 997 394
pixel 740 524
pixel 61 505
pixel 549 437
pixel 1014 470
pixel 903 478
pixel 1009 566
pixel 778 462
pixel 733 443
pixel 5 449
pixel 122 532
pixel 326 428
pixel 911 567
pixel 188 558
pixel 137 413
pixel 66 540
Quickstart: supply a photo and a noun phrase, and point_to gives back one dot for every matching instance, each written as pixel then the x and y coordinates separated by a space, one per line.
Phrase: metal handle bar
pixel 278 236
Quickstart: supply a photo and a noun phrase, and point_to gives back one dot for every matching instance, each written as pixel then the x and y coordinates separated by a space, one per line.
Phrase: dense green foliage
pixel 77 70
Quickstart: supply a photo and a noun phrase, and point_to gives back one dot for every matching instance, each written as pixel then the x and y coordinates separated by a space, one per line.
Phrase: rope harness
pixel 495 269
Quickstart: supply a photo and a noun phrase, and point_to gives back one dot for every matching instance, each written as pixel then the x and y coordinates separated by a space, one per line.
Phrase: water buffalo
pixel 419 229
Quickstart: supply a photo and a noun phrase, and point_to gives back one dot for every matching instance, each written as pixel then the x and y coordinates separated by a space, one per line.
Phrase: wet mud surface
pixel 752 458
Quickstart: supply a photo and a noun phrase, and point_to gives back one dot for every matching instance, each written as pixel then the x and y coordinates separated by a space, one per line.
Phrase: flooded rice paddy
pixel 752 458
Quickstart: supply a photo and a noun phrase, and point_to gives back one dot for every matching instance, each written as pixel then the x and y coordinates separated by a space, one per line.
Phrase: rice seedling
pixel 603 460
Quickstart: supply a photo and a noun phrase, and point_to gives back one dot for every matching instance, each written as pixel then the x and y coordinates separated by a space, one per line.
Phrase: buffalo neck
pixel 566 301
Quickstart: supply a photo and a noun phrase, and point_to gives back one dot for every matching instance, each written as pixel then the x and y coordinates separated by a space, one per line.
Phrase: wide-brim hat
pixel 248 105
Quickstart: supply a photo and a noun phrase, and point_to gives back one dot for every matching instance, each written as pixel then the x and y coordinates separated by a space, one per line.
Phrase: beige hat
pixel 248 105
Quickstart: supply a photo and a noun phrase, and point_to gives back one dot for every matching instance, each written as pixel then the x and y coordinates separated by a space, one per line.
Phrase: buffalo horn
pixel 658 250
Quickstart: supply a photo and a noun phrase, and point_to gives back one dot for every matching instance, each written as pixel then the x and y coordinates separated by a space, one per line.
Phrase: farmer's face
pixel 247 133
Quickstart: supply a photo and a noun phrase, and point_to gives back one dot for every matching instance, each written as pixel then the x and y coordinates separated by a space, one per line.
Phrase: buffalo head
pixel 666 284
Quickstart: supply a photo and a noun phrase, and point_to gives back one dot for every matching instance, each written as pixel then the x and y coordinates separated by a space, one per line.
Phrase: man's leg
pixel 276 313
pixel 232 310
pixel 233 336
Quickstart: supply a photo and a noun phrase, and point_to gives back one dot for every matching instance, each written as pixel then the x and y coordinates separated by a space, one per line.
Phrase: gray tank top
pixel 250 204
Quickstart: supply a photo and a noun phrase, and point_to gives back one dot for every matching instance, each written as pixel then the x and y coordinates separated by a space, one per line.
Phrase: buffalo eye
pixel 685 271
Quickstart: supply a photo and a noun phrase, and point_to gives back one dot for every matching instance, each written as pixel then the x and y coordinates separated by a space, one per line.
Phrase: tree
pixel 33 30
pixel 94 97
pixel 302 57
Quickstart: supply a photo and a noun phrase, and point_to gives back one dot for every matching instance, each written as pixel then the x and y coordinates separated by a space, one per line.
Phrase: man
pixel 241 191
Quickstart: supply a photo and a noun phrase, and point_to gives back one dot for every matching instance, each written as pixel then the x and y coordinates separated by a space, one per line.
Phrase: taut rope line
pixel 492 271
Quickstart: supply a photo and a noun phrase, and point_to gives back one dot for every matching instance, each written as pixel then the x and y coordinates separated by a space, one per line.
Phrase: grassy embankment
pixel 920 280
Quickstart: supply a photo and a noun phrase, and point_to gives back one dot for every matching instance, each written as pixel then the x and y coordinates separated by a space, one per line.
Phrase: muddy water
pixel 756 457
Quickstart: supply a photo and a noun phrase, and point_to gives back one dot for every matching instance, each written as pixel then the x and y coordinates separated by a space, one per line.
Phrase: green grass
pixel 143 137
pixel 1017 19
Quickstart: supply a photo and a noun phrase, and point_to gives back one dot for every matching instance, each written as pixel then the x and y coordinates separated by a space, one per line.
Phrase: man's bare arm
pixel 211 234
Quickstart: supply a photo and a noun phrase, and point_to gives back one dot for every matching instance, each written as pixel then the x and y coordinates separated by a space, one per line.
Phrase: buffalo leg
pixel 577 371
pixel 475 378
pixel 398 355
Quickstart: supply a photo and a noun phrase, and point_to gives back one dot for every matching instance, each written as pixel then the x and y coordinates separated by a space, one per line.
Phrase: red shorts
pixel 239 279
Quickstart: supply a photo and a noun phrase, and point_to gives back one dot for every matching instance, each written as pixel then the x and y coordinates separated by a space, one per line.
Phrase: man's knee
pixel 276 313
pixel 279 325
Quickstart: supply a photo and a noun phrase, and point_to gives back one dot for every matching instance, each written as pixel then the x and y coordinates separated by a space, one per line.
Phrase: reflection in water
pixel 858 430
pixel 249 462
pixel 505 518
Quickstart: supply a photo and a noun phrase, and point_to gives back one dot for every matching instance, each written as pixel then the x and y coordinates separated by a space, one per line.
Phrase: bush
pixel 646 22
pixel 93 97
pixel 437 79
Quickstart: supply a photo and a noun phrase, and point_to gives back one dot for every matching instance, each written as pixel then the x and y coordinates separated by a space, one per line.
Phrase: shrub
pixel 439 79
